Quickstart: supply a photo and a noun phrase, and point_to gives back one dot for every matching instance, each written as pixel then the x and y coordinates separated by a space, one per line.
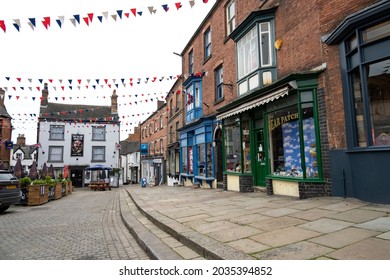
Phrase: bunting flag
pixel 76 18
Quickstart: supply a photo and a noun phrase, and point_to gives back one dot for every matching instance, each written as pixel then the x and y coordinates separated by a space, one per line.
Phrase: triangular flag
pixel 134 11
pixel 140 13
pixel 178 5
pixel 73 21
pixel 192 3
pixel 100 18
pixel 59 23
pixel 19 79
pixel 127 15
pixel 70 81
pixel 152 10
pixel 165 7
pixel 46 22
pixel 17 24
pixel 113 17
pixel 79 80
pixel 90 16
pixel 40 80
pixel 86 19
pixel 30 80
pixel 77 18
pixel 97 81
pixel 2 25
pixel 32 21
pixel 105 14
pixel 119 12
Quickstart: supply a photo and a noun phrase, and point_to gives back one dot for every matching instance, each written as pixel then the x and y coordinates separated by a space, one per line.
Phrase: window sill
pixel 207 59
pixel 296 179
pixel 216 102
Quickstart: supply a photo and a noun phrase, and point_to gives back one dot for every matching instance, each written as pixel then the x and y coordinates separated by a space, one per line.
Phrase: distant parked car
pixel 10 193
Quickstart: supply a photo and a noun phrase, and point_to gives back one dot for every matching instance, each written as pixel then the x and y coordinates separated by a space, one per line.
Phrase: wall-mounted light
pixel 278 44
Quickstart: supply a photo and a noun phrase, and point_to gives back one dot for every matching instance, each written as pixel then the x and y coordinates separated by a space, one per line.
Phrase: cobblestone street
pixel 83 226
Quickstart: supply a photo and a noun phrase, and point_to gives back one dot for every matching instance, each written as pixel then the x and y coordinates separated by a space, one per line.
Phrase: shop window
pixel 368 64
pixel 201 159
pixel 293 141
pixel 246 147
pixel 184 160
pixel 232 145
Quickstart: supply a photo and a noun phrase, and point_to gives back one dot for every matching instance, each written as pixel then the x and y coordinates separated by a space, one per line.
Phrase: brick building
pixel 153 146
pixel 175 120
pixel 5 133
pixel 289 95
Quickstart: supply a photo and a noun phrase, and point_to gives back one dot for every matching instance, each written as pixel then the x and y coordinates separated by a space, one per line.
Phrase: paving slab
pixel 248 246
pixel 344 237
pixel 326 225
pixel 358 215
pixel 284 236
pixel 283 211
pixel 313 214
pixel 276 223
pixel 380 224
pixel 298 251
pixel 368 249
pixel 385 235
pixel 233 233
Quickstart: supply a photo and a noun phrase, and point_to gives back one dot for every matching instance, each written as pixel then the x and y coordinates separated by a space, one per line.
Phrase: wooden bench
pixel 99 186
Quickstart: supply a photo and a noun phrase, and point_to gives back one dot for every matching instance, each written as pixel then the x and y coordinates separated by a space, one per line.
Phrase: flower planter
pixel 38 194
pixel 58 190
pixel 51 193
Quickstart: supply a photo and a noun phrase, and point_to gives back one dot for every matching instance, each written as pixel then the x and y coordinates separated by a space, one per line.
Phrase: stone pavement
pixel 85 225
pixel 198 223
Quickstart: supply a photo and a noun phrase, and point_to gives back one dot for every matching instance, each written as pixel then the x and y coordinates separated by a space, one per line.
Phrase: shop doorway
pixel 260 158
pixel 218 157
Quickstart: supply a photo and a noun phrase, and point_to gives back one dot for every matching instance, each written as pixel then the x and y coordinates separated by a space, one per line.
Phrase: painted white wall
pixel 112 137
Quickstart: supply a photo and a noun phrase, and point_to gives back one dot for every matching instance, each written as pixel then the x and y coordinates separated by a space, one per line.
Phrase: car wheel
pixel 3 208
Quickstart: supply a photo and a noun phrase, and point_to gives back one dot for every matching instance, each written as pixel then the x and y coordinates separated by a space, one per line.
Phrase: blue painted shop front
pixel 197 153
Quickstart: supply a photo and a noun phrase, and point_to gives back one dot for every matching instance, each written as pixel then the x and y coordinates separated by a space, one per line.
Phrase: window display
pixel 232 145
pixel 288 141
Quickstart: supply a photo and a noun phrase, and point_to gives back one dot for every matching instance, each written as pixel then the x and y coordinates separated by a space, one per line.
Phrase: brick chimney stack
pixel 114 103
pixel 21 140
pixel 2 96
pixel 45 96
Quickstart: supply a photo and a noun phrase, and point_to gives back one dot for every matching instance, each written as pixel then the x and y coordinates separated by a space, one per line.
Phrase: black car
pixel 10 193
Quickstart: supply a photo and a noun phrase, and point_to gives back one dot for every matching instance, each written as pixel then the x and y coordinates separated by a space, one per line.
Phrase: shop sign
pixel 276 122
pixel 77 145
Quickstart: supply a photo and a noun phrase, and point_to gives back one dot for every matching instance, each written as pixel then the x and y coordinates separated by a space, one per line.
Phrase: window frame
pixel 50 150
pixel 93 159
pixel 207 43
pixel 61 134
pixel 230 19
pixel 252 74
pixel 191 62
pixel 219 84
pixel 95 132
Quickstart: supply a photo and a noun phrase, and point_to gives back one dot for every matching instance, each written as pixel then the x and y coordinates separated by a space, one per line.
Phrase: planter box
pixel 38 194
pixel 58 190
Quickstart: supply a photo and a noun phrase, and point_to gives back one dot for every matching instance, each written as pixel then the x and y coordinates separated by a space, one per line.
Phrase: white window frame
pixel 99 133
pixel 95 156
pixel 230 17
pixel 57 132
pixel 56 154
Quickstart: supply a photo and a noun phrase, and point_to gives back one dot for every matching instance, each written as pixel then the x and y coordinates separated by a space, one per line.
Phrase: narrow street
pixel 83 226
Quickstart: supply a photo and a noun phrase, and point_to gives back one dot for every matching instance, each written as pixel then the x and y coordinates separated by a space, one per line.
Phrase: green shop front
pixel 272 139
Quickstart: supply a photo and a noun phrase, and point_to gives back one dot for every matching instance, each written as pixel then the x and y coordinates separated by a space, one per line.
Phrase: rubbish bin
pixel 143 182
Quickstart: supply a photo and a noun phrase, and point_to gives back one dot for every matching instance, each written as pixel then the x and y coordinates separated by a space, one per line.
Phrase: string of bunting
pixel 72 84
pixel 78 19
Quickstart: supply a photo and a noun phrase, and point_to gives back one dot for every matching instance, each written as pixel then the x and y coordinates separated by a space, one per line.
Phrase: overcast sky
pixel 120 46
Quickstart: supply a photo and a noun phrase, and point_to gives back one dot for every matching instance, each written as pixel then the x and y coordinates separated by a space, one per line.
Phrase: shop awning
pixel 254 103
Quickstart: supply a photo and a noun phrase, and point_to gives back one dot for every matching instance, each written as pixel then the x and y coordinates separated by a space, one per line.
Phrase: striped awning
pixel 254 103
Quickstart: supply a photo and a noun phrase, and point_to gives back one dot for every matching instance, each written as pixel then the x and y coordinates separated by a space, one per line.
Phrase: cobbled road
pixel 85 225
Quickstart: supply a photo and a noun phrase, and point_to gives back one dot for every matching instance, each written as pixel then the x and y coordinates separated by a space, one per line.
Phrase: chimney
pixel 160 103
pixel 45 96
pixel 21 140
pixel 137 130
pixel 2 95
pixel 114 103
